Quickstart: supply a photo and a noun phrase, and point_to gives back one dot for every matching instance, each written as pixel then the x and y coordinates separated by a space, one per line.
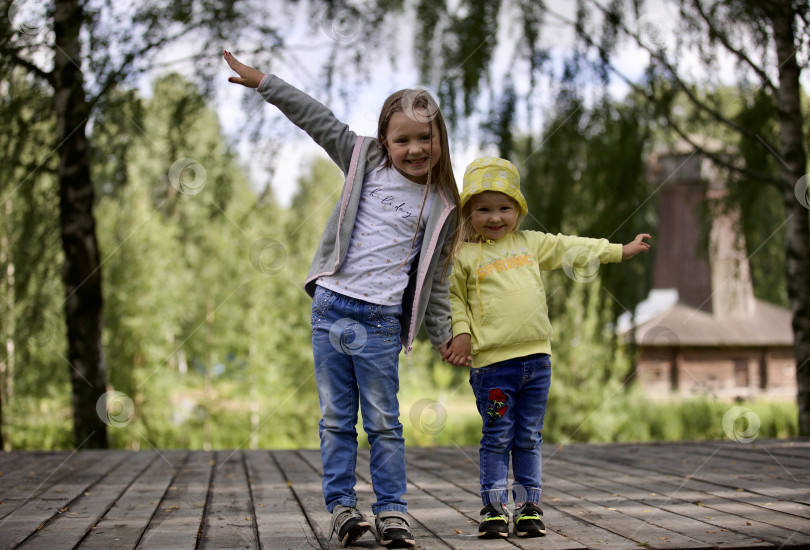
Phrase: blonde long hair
pixel 419 105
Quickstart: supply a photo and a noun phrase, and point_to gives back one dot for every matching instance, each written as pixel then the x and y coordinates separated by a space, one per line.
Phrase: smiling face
pixel 492 214
pixel 409 144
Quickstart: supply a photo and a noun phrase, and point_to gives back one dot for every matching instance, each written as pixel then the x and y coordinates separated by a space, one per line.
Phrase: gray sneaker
pixel 348 524
pixel 393 530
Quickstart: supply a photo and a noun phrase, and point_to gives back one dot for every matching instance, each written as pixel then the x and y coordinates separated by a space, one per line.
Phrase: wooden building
pixel 702 331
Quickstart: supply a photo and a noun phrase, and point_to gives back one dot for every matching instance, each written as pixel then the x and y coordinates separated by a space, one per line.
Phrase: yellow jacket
pixel 497 294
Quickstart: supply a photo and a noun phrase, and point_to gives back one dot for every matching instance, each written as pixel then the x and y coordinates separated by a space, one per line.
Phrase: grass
pixel 437 419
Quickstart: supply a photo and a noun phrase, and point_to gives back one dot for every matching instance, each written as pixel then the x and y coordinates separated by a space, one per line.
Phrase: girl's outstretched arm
pixel 335 137
pixel 638 245
pixel 248 76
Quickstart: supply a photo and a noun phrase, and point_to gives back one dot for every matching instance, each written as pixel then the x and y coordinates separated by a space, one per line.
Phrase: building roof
pixel 682 325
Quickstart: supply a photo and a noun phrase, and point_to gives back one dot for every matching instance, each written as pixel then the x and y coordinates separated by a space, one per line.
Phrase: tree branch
pixel 12 55
pixel 723 38
pixel 718 159
pixel 697 102
pixel 115 76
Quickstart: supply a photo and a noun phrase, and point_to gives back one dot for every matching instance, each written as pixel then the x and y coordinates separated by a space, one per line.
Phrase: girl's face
pixel 492 214
pixel 409 144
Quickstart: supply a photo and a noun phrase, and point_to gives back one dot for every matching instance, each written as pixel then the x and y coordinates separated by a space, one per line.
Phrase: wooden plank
pixel 303 471
pixel 702 527
pixel 23 477
pixel 434 522
pixel 425 538
pixel 176 523
pixel 24 474
pixel 125 522
pixel 438 477
pixel 30 477
pixel 706 466
pixel 716 494
pixel 76 474
pixel 660 530
pixel 281 522
pixel 229 521
pixel 765 524
pixel 79 516
pixel 562 514
pixel 757 463
pixel 568 516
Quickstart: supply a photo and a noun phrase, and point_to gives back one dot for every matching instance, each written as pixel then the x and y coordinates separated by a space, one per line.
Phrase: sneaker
pixel 494 522
pixel 529 521
pixel 348 524
pixel 393 530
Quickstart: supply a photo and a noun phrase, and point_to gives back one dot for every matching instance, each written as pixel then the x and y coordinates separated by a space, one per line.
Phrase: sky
pixel 309 45
pixel 301 68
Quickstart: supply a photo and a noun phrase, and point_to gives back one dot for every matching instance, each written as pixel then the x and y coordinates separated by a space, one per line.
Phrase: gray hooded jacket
pixel 426 296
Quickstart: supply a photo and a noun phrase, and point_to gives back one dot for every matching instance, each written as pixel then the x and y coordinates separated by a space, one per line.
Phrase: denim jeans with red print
pixel 511 397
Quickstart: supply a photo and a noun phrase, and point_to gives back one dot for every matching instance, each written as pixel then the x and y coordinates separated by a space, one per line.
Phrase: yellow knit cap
pixel 493 174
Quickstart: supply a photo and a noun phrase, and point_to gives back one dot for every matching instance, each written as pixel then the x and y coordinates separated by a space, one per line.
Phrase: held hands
pixel 248 76
pixel 638 245
pixel 457 352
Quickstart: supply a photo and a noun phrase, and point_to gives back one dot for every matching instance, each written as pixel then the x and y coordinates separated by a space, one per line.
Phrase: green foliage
pixel 701 419
pixel 31 295
pixel 207 326
pixel 589 391
pixel 587 177
pixel 761 206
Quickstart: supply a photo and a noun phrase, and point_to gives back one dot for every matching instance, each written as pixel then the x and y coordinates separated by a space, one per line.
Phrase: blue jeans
pixel 356 346
pixel 511 397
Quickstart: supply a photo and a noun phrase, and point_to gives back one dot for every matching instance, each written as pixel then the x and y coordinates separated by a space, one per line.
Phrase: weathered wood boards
pixel 695 495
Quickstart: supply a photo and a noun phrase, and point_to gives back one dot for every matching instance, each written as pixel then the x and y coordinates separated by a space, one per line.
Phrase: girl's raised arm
pixel 248 76
pixel 334 136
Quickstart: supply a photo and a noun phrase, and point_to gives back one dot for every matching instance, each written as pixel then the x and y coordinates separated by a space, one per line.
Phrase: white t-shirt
pixel 375 269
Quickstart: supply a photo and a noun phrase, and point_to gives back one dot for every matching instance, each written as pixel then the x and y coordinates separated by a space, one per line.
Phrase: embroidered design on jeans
pixel 497 407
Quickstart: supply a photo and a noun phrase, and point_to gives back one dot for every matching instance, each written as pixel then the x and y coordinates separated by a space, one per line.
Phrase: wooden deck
pixel 674 495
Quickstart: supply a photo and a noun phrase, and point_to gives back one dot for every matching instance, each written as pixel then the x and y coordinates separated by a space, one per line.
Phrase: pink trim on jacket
pixel 421 278
pixel 347 191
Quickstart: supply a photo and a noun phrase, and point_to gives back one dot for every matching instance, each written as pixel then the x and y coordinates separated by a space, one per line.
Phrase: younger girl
pixel 501 326
pixel 379 270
